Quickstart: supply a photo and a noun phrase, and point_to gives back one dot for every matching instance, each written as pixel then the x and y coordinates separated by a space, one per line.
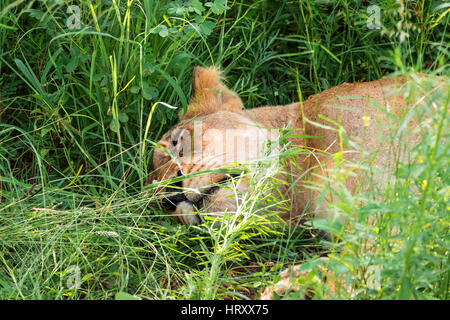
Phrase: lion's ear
pixel 210 95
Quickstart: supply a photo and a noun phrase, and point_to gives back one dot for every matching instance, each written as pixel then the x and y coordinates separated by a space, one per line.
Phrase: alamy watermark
pixel 74 21
pixel 374 17
pixel 232 145
pixel 74 280
pixel 374 277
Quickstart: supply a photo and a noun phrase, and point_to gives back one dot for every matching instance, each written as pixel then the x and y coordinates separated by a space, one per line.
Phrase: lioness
pixel 215 132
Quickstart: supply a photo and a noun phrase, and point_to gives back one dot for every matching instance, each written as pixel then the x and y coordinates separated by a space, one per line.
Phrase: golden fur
pixel 360 108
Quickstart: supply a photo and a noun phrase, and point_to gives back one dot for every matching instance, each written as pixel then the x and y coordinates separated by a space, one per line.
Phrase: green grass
pixel 76 110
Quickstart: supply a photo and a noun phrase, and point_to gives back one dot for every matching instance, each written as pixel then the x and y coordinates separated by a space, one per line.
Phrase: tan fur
pixel 209 93
pixel 360 108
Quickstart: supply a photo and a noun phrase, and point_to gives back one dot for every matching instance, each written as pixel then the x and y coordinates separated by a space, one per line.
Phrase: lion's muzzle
pixel 186 210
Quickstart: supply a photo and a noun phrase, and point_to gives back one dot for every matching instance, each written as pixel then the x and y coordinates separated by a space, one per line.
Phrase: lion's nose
pixel 176 195
pixel 171 201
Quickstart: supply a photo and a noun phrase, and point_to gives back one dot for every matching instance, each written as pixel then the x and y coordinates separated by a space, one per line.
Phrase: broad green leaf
pixel 125 296
pixel 197 6
pixel 207 27
pixel 149 93
pixel 114 126
pixel 135 89
pixel 123 117
pixel 72 65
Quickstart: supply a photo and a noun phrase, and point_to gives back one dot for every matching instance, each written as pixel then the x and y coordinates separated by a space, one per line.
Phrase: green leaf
pixel 45 130
pixel 72 65
pixel 44 152
pixel 123 117
pixel 207 27
pixel 197 6
pixel 149 93
pixel 180 62
pixel 87 277
pixel 7 27
pixel 218 6
pixel 176 87
pixel 104 81
pixel 37 14
pixel 162 31
pixel 193 27
pixel 97 77
pixel 176 8
pixel 198 19
pixel 135 89
pixel 114 126
pixel 300 136
pixel 125 296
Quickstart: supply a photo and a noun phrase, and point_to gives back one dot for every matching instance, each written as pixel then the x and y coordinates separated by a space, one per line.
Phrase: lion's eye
pixel 177 136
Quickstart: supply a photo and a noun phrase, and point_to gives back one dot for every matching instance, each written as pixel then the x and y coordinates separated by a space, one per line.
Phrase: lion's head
pixel 214 133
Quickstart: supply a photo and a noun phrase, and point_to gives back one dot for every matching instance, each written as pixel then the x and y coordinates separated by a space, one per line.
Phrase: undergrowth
pixel 79 117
